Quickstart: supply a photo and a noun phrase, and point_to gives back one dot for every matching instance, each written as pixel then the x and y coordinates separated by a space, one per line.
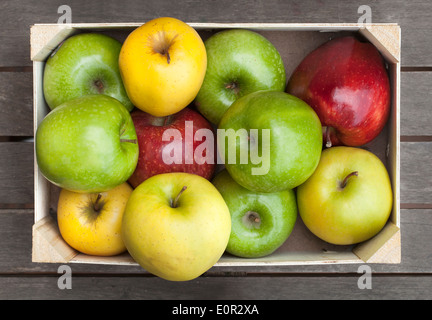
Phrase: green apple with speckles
pixel 239 62
pixel 83 64
pixel 272 141
pixel 260 222
pixel 87 144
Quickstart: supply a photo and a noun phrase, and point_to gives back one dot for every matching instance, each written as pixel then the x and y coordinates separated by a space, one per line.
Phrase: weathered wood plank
pixel 16 104
pixel 16 172
pixel 416 172
pixel 416 98
pixel 219 288
pixel 15 251
pixel 413 18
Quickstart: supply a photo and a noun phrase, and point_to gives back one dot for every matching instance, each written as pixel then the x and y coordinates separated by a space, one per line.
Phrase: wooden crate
pixel 294 42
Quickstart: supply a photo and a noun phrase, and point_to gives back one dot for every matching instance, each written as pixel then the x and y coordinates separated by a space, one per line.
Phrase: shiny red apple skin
pixel 150 130
pixel 346 82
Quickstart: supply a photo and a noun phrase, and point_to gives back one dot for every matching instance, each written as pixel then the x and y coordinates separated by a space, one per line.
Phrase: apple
pixel 239 62
pixel 346 82
pixel 260 222
pixel 183 151
pixel 176 225
pixel 85 63
pixel 163 64
pixel 272 141
pixel 87 144
pixel 348 199
pixel 91 222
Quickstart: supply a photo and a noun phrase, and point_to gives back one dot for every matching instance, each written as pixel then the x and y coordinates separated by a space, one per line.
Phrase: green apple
pixel 348 199
pixel 239 62
pixel 260 222
pixel 176 225
pixel 87 144
pixel 270 141
pixel 86 63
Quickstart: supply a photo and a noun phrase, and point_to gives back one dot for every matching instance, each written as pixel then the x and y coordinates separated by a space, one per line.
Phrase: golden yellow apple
pixel 176 225
pixel 91 222
pixel 163 64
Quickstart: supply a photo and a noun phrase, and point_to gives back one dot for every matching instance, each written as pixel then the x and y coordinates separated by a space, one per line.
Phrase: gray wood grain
pixel 414 19
pixel 16 104
pixel 219 288
pixel 416 172
pixel 16 172
pixel 416 106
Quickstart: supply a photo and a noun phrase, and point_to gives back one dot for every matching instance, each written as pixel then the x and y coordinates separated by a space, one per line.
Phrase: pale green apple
pixel 176 225
pixel 348 199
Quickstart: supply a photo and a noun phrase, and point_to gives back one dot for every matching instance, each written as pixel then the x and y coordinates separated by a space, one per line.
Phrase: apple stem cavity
pixel 162 43
pixel 345 181
pixel 174 203
pixel 252 220
pixel 99 86
pixel 233 86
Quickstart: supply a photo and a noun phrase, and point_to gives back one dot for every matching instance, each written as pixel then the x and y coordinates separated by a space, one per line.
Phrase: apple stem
pixel 96 204
pixel 328 140
pixel 345 181
pixel 174 204
pixel 233 86
pixel 252 220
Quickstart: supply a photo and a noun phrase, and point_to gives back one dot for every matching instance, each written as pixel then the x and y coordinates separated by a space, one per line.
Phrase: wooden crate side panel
pixel 48 245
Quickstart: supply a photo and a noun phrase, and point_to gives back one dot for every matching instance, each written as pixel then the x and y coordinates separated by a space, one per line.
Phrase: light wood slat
pixel 15 252
pixel 413 17
pixel 416 106
pixel 16 104
pixel 228 288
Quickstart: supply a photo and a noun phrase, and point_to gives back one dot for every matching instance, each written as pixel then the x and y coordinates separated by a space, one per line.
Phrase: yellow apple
pixel 176 225
pixel 91 222
pixel 163 64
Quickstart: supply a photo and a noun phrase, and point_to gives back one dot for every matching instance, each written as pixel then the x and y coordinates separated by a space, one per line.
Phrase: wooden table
pixel 22 279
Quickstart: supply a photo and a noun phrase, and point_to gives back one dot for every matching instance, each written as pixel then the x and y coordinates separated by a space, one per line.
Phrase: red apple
pixel 346 82
pixel 182 142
